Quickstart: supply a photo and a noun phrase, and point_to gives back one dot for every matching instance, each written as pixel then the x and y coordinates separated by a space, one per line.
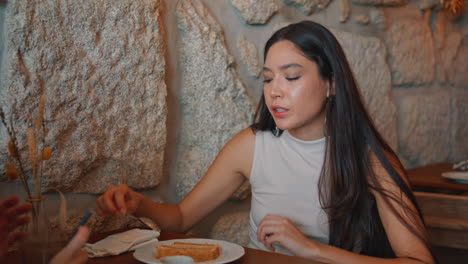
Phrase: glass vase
pixel 38 246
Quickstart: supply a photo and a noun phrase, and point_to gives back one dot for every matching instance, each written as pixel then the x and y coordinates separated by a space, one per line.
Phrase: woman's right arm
pixel 230 168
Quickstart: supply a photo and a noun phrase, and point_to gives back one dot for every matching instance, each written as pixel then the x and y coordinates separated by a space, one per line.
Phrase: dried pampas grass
pixel 33 161
pixel 37 150
pixel 12 149
pixel 32 150
pixel 40 114
pixel 63 211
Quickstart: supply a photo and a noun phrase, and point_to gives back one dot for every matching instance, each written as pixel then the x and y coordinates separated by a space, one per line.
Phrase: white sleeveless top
pixel 284 179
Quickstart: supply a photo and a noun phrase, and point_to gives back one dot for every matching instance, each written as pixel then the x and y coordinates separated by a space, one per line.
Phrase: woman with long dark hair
pixel 325 184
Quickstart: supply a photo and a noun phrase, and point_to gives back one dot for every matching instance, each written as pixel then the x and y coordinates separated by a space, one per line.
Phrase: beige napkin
pixel 122 242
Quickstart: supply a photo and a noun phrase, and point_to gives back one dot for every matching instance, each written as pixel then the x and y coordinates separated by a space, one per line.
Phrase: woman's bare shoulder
pixel 241 149
pixel 247 135
pixel 244 139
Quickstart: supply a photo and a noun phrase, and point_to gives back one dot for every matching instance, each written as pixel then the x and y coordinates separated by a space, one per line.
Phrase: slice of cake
pixel 197 251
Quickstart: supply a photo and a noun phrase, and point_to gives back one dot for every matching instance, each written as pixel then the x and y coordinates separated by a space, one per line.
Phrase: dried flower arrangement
pixel 455 6
pixel 42 240
pixel 38 153
pixel 40 237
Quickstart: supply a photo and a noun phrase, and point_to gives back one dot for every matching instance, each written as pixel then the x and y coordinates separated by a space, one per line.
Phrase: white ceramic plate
pixel 457 176
pixel 229 251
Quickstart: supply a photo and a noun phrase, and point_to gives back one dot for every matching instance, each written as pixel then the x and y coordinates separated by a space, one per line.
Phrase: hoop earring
pixel 276 131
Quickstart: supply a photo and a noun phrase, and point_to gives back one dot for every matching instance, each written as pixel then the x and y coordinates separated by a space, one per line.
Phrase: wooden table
pixel 251 256
pixel 429 177
pixel 443 203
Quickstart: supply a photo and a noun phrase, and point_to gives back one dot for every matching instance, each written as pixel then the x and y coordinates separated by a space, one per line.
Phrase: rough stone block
pixel 249 55
pixel 308 6
pixel 447 45
pixel 429 4
pixel 344 10
pixel 101 66
pixel 256 11
pixel 459 127
pixel 423 125
pixel 457 73
pixel 411 52
pixel 366 56
pixel 362 19
pixel 377 19
pixel 381 2
pixel 215 104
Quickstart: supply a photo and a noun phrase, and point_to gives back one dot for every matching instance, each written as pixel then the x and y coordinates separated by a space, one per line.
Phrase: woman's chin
pixel 283 124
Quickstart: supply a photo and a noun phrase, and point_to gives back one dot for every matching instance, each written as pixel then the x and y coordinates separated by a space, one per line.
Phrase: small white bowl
pixel 176 259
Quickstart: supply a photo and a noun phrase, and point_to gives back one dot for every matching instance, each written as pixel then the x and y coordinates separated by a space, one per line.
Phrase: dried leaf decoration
pixel 11 171
pixel 46 153
pixel 454 6
pixel 9 165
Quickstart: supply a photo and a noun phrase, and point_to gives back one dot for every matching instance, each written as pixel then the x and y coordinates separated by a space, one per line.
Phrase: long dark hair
pixel 347 177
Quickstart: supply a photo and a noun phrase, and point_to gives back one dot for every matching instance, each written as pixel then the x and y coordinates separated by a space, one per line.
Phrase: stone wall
pixel 101 69
pixel 147 92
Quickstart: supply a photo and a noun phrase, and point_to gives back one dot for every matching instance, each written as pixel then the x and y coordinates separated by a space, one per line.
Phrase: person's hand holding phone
pixel 72 253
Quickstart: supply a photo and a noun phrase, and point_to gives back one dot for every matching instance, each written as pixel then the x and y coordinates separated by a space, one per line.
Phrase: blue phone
pixel 82 222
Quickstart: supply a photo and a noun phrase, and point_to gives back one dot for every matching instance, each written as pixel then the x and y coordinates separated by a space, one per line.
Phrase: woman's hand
pixel 72 252
pixel 12 216
pixel 118 200
pixel 281 230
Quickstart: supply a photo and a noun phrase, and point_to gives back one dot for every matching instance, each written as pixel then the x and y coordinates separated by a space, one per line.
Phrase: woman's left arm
pixel 407 246
pixel 280 230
